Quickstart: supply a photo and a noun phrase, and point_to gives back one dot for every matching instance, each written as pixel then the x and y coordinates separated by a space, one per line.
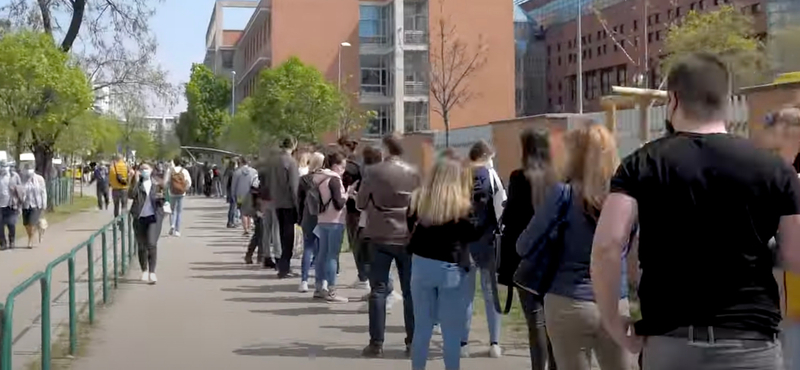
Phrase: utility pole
pixel 580 60
pixel 233 93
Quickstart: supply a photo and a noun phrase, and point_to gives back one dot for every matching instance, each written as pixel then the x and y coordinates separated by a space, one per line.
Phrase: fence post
pixel 123 242
pixel 2 340
pixel 73 317
pixel 90 255
pixel 114 226
pixel 104 244
pixel 132 250
pixel 8 337
pixel 46 341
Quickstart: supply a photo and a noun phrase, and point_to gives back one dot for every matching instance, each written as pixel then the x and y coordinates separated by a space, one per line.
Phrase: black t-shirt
pixel 708 205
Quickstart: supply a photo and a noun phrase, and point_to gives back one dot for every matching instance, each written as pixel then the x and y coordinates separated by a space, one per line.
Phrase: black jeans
pixel 257 240
pixel 356 246
pixel 379 272
pixel 287 217
pixel 8 220
pixel 538 342
pixel 102 197
pixel 147 230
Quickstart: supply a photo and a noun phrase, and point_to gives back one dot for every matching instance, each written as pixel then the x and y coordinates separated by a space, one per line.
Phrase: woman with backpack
pixel 179 181
pixel 308 221
pixel 563 228
pixel 486 189
pixel 526 191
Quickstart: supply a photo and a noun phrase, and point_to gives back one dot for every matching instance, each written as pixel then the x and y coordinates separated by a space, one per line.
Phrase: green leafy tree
pixel 208 98
pixel 89 134
pixel 184 129
pixel 295 100
pixel 725 32
pixel 42 90
pixel 242 135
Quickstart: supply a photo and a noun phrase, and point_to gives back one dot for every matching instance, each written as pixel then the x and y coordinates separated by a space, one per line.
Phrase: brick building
pixel 632 60
pixel 383 47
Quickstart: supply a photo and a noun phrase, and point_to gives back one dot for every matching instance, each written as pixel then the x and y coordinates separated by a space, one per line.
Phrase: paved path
pixel 210 311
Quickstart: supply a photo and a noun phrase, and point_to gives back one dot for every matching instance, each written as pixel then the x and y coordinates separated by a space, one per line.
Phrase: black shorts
pixel 30 216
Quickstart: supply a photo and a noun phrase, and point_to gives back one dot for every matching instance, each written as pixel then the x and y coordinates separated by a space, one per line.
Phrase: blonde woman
pixel 440 226
pixel 573 319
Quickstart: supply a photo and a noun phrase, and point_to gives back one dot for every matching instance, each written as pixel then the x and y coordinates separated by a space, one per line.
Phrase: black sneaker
pixel 269 263
pixel 287 275
pixel 248 260
pixel 372 351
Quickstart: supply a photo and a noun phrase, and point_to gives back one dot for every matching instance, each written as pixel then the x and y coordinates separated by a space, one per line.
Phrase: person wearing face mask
pixel 34 200
pixel 148 213
pixel 330 225
pixel 9 205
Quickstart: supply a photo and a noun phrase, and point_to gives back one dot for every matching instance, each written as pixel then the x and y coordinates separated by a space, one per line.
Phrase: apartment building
pixel 221 43
pixel 379 51
pixel 639 28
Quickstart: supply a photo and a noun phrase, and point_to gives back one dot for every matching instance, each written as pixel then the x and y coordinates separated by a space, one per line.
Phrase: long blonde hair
pixel 446 193
pixel 591 161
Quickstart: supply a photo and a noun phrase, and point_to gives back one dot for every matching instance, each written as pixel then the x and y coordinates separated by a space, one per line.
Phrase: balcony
pixel 415 37
pixel 416 88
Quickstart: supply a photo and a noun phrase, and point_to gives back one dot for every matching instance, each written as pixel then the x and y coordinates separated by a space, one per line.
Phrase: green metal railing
pixel 122 236
pixel 60 191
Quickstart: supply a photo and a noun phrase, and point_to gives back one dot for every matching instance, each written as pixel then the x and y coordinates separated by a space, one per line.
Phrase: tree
pixel 90 134
pixel 42 90
pixel 208 97
pixel 184 129
pixel 725 32
pixel 452 64
pixel 242 135
pixel 117 47
pixel 295 100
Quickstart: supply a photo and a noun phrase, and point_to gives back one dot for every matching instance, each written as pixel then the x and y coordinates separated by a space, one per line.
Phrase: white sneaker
pixel 334 298
pixel 145 276
pixel 437 329
pixel 393 298
pixel 495 351
pixel 303 287
pixel 361 285
pixel 176 233
pixel 465 351
pixel 153 278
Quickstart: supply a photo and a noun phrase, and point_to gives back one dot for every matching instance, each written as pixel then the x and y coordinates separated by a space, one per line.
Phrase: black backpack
pixel 313 202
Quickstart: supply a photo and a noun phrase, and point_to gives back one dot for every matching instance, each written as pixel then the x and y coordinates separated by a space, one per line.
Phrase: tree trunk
pixel 18 146
pixel 446 118
pixel 43 152
pixel 78 7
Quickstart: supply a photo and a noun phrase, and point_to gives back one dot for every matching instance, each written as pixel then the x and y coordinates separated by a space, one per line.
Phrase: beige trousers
pixel 576 333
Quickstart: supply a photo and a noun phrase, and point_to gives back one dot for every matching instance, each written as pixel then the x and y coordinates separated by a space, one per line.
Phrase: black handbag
pixel 493 264
pixel 538 266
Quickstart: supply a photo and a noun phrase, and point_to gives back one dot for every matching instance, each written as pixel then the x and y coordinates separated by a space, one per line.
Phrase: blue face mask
pixel 146 174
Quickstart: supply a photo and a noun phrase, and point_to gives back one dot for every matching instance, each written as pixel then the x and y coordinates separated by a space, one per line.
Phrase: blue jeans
pixel 330 244
pixel 439 290
pixel 177 210
pixel 310 249
pixel 231 210
pixel 492 316
pixel 791 346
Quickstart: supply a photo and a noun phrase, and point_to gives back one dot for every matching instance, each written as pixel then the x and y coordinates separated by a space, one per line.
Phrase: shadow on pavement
pixel 283 288
pixel 216 208
pixel 360 329
pixel 312 351
pixel 238 267
pixel 229 252
pixel 237 277
pixel 311 310
pixel 306 299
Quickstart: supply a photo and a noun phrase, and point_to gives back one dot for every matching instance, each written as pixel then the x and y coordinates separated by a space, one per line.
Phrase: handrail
pixel 118 227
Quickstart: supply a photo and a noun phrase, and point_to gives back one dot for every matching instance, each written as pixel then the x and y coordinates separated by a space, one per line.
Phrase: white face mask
pixel 30 171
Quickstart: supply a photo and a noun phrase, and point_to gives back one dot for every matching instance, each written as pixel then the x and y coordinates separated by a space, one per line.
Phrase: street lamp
pixel 233 93
pixel 342 45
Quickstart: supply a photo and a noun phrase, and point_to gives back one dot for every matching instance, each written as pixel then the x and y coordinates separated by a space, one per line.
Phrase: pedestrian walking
pixel 567 219
pixel 527 187
pixel 118 175
pixel 488 196
pixel 34 202
pixel 100 177
pixel 148 198
pixel 385 194
pixel 707 203
pixel 9 205
pixel 308 221
pixel 179 182
pixel 441 229
pixel 283 178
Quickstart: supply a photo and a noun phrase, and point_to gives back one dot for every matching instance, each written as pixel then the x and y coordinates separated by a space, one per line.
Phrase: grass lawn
pixel 62 212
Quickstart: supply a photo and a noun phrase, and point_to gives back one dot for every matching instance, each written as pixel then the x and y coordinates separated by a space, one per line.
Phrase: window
pixel 589 38
pixel 701 5
pixel 615 48
pixel 559 86
pixel 635 25
pixel 548 50
pixel 755 8
pixel 374 75
pixel 589 53
pixel 373 25
pixel 599 50
pixel 599 35
pixel 716 2
pixel 558 47
pixel 381 123
pixel 604 49
pixel 621 28
pixel 416 116
pixel 583 40
pixel 657 18
pixel 559 60
pixel 669 14
pixel 658 35
pixel 650 37
pixel 692 6
pixel 615 29
pixel 677 12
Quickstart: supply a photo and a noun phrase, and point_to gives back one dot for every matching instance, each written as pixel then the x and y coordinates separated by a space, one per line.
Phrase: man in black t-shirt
pixel 707 203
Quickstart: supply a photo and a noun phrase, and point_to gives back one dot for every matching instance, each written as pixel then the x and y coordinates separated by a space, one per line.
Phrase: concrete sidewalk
pixel 210 311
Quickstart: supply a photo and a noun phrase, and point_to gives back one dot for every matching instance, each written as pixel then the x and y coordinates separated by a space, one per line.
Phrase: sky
pixel 180 26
